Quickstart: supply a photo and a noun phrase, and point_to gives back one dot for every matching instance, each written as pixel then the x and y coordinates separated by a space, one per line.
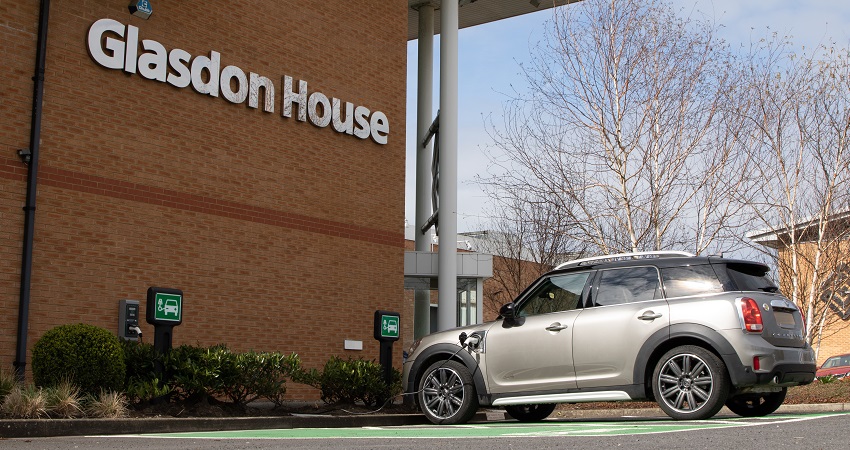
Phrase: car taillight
pixel 751 315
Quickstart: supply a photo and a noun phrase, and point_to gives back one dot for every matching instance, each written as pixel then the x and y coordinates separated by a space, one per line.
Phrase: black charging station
pixel 387 327
pixel 164 311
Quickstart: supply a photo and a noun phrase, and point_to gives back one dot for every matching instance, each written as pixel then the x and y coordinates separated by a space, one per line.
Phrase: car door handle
pixel 649 315
pixel 556 327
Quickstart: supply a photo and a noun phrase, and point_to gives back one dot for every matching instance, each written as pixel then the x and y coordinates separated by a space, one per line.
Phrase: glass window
pixel 751 277
pixel 558 293
pixel 632 284
pixel 831 362
pixel 690 280
pixel 467 303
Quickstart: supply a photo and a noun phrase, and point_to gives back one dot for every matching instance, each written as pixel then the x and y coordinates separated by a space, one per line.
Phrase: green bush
pixel 140 360
pixel 258 375
pixel 195 372
pixel 146 390
pixel 85 355
pixel 353 380
pixel 241 377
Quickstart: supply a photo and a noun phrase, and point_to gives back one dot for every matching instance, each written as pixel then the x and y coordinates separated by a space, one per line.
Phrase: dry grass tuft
pixel 109 405
pixel 65 400
pixel 25 403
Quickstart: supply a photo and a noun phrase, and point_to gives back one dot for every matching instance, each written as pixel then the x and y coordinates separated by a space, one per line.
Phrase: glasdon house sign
pixel 116 46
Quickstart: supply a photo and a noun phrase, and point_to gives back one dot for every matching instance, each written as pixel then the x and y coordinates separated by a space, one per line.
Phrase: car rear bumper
pixel 780 375
pixel 788 375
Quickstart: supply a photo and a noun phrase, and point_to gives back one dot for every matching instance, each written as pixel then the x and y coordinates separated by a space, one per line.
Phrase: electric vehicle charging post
pixel 387 326
pixel 128 320
pixel 164 312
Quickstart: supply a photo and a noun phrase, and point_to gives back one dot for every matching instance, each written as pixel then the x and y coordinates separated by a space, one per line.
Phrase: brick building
pixel 250 154
pixel 833 286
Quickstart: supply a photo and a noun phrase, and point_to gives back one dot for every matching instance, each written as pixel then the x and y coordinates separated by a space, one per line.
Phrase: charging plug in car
pixel 470 341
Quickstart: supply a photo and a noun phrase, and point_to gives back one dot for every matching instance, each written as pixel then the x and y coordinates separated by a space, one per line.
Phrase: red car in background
pixel 837 366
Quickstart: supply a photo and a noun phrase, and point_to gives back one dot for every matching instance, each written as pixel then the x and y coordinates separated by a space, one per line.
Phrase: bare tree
pixel 621 132
pixel 799 192
pixel 526 243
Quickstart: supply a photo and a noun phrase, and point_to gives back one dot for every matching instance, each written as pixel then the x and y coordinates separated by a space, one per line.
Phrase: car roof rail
pixel 578 262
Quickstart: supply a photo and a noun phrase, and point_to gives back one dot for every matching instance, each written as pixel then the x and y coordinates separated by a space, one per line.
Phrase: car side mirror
pixel 508 311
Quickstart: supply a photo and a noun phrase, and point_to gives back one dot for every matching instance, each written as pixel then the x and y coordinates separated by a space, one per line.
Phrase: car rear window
pixel 690 280
pixel 750 277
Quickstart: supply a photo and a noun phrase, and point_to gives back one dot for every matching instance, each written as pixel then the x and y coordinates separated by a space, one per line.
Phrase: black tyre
pixel 530 413
pixel 690 383
pixel 756 405
pixel 447 393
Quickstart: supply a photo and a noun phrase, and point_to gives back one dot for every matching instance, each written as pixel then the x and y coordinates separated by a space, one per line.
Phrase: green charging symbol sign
pixel 169 307
pixel 389 326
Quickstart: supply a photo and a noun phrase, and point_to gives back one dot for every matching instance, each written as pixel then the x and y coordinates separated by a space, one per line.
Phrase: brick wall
pixel 835 338
pixel 276 230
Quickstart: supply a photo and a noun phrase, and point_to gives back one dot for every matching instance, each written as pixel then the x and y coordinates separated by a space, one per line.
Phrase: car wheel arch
pixel 678 335
pixel 446 352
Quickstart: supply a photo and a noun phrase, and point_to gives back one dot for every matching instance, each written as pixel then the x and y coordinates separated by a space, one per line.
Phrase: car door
pixel 533 352
pixel 627 307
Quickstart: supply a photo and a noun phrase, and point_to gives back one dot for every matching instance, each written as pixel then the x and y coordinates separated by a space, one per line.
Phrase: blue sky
pixel 489 69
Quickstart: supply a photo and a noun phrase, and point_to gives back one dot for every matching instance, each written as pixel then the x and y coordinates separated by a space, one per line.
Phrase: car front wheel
pixel 447 393
pixel 690 383
pixel 756 405
pixel 530 413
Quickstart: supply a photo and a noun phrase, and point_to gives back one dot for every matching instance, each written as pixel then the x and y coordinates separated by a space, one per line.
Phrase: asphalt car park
pixel 824 430
pixel 511 429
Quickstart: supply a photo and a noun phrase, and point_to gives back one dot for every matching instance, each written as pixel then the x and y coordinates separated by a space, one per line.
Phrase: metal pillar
pixel 424 115
pixel 447 258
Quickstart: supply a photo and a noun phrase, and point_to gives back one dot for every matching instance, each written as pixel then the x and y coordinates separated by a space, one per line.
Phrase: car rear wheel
pixel 756 405
pixel 690 383
pixel 447 393
pixel 530 413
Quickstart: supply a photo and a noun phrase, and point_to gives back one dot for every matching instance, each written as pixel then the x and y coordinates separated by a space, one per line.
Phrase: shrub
pixel 140 360
pixel 139 390
pixel 353 380
pixel 195 372
pixel 85 355
pixel 253 375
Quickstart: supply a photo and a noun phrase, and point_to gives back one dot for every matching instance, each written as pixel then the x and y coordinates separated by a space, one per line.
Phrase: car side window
pixel 690 280
pixel 830 363
pixel 627 285
pixel 557 293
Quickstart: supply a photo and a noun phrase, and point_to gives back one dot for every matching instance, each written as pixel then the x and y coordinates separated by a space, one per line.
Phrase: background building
pixel 813 259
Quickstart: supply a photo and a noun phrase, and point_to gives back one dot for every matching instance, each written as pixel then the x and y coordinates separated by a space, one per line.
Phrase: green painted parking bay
pixel 503 429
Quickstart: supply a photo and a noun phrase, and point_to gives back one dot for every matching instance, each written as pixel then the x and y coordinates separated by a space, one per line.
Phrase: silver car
pixel 691 333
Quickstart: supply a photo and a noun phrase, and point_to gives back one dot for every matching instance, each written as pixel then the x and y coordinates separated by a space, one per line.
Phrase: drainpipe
pixel 32 182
